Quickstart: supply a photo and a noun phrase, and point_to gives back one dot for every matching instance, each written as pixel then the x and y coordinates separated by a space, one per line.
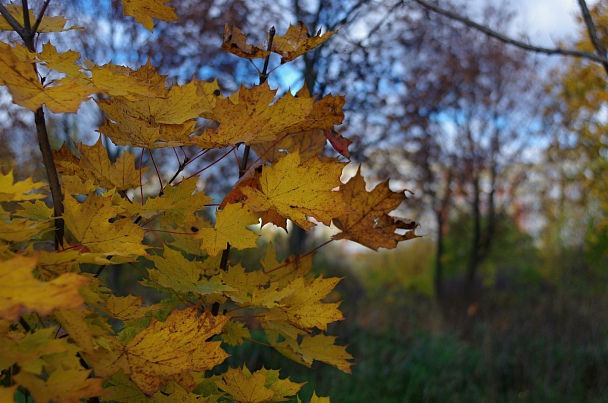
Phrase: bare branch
pixel 12 21
pixel 503 38
pixel 40 16
pixel 26 15
pixel 595 40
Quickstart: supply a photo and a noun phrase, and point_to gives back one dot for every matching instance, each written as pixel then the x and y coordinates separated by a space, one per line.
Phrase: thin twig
pixel 595 40
pixel 40 16
pixel 12 21
pixel 27 25
pixel 161 192
pixel 503 38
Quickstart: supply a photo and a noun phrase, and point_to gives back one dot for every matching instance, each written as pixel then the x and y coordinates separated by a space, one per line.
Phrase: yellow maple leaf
pixel 263 385
pixel 30 349
pixel 282 387
pixel 297 41
pixel 64 62
pixel 95 226
pixel 142 120
pixel 121 81
pixel 7 394
pixel 308 144
pixel 74 322
pixel 35 211
pixel 21 229
pixel 22 292
pixel 128 307
pixel 253 288
pixel 48 23
pixel 244 386
pixel 20 78
pixel 250 116
pixel 144 10
pixel 295 190
pixel 177 345
pixel 321 347
pixel 175 272
pixel 369 223
pixel 326 112
pixel 235 332
pixel 287 270
pixel 65 385
pixel 95 164
pixel 230 227
pixel 303 308
pixel 176 206
pixel 17 191
pixel 318 347
pixel 317 399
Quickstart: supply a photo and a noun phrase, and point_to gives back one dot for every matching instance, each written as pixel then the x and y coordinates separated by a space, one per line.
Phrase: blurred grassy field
pixel 539 334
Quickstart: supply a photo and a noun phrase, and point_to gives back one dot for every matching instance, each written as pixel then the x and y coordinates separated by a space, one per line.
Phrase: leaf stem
pixel 297 258
pixel 157 173
pixel 213 163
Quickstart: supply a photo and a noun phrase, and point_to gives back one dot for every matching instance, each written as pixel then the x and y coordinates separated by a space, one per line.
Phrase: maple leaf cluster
pixel 65 336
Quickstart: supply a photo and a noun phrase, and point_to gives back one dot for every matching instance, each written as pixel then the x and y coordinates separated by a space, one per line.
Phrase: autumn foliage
pixel 66 336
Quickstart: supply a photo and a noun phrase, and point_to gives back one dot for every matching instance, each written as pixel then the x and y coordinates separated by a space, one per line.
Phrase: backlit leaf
pixel 20 292
pixel 128 307
pixel 244 386
pixel 145 10
pixel 176 206
pixel 308 144
pixel 234 41
pixel 18 75
pixel 250 116
pixel 95 164
pixel 235 332
pixel 174 346
pixel 297 41
pixel 230 227
pixel 17 191
pixel 175 272
pixel 303 308
pixel 369 224
pixel 95 226
pixel 295 190
pixel 124 82
pixel 65 385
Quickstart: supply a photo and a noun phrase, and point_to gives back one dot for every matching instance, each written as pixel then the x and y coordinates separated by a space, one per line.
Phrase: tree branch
pixel 26 16
pixel 595 40
pixel 12 21
pixel 503 38
pixel 40 16
pixel 27 35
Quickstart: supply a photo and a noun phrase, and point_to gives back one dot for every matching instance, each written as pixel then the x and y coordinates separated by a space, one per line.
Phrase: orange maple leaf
pixel 369 223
